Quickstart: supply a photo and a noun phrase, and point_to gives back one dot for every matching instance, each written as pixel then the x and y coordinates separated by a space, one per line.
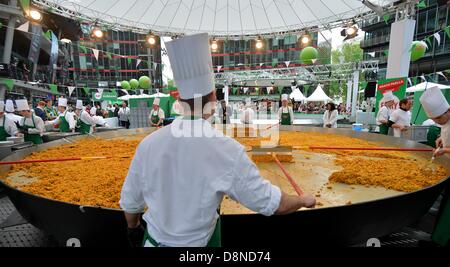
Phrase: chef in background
pixel 183 171
pixel 248 113
pixel 124 116
pixel 400 119
pixel 225 112
pixel 285 113
pixel 385 112
pixel 85 123
pixel 7 127
pixel 31 125
pixel 330 117
pixel 66 120
pixel 157 115
pixel 9 108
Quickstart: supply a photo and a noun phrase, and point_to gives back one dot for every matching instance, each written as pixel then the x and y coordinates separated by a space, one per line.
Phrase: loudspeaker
pixel 370 90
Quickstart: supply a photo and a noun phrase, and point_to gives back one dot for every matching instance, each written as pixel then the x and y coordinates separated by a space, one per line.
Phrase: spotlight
pixel 350 32
pixel 35 15
pixel 214 45
pixel 66 41
pixel 97 33
pixel 259 43
pixel 305 39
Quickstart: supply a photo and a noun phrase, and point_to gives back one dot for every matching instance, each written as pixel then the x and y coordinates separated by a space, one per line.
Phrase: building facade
pixel 432 19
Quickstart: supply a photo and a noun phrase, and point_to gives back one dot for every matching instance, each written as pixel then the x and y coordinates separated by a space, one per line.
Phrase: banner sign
pixel 35 46
pixel 398 88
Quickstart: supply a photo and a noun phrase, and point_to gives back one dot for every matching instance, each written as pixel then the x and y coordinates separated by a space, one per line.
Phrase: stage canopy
pixel 218 18
pixel 318 96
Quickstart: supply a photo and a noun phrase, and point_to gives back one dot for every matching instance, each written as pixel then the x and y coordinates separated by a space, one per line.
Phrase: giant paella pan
pixel 361 195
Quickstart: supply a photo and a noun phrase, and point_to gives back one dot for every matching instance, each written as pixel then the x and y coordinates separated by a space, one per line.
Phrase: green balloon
pixel 308 54
pixel 145 82
pixel 418 50
pixel 125 85
pixel 134 84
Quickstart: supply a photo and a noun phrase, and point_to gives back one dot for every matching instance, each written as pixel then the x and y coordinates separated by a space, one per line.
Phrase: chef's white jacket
pixel 10 126
pixel 39 123
pixel 93 111
pixel 70 118
pixel 14 117
pixel 330 118
pixel 88 119
pixel 183 175
pixel 124 114
pixel 384 114
pixel 400 117
pixel 286 110
pixel 445 134
pixel 247 116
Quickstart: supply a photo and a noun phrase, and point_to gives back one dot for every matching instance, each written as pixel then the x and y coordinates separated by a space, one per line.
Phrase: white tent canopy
pixel 297 95
pixel 318 96
pixel 423 86
pixel 159 95
pixel 220 18
pixel 128 97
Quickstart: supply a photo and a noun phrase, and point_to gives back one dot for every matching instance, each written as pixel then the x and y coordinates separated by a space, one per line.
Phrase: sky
pixel 335 35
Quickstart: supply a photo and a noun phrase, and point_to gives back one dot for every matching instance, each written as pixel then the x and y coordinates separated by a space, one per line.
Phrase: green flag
pixel 448 71
pixel 235 90
pixel 129 61
pixel 447 30
pixel 87 90
pixel 363 85
pixel 414 80
pixel 280 89
pixel 53 88
pixel 48 35
pixel 386 18
pixel 83 48
pixel 306 87
pixel 109 55
pixel 25 4
pixel 1 25
pixel 8 82
pixel 428 40
pixel 422 4
pixel 386 53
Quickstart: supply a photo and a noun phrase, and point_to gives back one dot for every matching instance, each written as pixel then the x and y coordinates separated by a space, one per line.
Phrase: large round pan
pixel 343 225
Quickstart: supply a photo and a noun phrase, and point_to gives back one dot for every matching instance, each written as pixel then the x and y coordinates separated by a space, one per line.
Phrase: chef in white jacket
pixel 285 113
pixel 9 108
pixel 85 122
pixel 31 126
pixel 437 108
pixel 385 112
pixel 7 127
pixel 400 119
pixel 124 116
pixel 183 171
pixel 248 113
pixel 66 120
pixel 330 117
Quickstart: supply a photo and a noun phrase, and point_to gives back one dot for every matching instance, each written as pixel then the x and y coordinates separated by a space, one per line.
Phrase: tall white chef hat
pixel 157 101
pixel 79 104
pixel 284 97
pixel 2 106
pixel 388 96
pixel 62 102
pixel 191 62
pixel 434 102
pixel 22 105
pixel 9 107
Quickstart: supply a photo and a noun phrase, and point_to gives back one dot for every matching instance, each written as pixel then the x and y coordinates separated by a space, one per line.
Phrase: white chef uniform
pixel 9 125
pixel 435 105
pixel 69 116
pixel 248 114
pixel 400 117
pixel 184 179
pixel 9 108
pixel 84 116
pixel 37 124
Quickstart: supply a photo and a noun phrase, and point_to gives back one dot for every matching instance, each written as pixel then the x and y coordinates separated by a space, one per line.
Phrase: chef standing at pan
pixel 183 171
pixel 66 119
pixel 31 125
pixel 437 108
pixel 285 113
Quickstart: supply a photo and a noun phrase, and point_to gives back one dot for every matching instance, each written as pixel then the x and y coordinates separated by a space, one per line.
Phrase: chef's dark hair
pixel 332 106
pixel 404 102
pixel 205 100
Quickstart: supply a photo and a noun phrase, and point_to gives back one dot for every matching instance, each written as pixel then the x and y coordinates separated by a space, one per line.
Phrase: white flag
pixel 410 82
pixel 125 91
pixel 96 53
pixel 261 64
pixel 423 78
pixel 24 27
pixel 155 66
pixel 314 61
pixel 440 73
pixel 71 89
pixel 245 90
pixel 372 54
pixel 219 68
pixel 287 63
pixel 141 91
pixel 100 90
pixel 438 38
pixel 138 62
pixel 269 89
